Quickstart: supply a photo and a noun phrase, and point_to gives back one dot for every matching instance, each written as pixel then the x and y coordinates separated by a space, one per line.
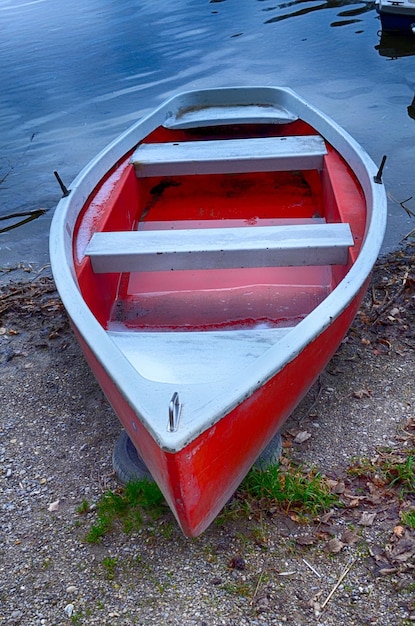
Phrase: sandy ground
pixel 57 432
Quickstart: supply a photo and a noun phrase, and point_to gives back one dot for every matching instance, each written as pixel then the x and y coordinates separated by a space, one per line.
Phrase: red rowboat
pixel 211 260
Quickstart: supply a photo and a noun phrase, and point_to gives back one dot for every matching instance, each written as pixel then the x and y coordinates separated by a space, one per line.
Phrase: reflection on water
pixel 310 7
pixel 396 46
pixel 74 75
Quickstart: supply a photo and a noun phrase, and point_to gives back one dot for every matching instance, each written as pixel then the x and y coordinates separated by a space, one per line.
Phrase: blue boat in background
pixel 397 16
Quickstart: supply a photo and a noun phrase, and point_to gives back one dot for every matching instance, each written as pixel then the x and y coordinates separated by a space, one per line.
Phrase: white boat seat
pixel 210 115
pixel 220 248
pixel 229 156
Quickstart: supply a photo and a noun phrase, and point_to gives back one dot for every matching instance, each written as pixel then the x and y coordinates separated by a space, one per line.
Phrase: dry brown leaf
pixel 331 483
pixel 353 496
pixel 367 519
pixel 403 550
pixel 324 519
pixel 350 537
pixel 306 540
pixel 354 499
pixel 302 436
pixel 398 531
pixel 315 604
pixel 324 536
pixel 387 570
pixel 339 487
pixel 334 545
pixel 361 393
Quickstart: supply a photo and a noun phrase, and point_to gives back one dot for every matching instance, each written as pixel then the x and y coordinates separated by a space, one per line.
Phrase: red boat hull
pixel 199 480
pixel 235 324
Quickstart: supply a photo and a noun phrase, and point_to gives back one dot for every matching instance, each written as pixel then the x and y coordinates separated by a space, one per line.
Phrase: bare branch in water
pixel 402 204
pixel 27 216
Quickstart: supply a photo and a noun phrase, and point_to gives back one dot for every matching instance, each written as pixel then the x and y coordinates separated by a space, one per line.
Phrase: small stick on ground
pixel 314 403
pixel 391 300
pixel 338 583
pixel 257 586
pixel 408 235
pixel 312 568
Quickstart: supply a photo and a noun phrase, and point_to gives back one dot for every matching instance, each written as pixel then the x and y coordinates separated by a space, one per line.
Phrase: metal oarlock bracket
pixel 378 177
pixel 174 413
pixel 64 189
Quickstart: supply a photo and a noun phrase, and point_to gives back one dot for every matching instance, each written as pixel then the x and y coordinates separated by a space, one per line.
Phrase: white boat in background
pixel 397 16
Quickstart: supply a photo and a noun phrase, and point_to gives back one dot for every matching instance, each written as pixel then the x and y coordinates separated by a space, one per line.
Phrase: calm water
pixel 75 74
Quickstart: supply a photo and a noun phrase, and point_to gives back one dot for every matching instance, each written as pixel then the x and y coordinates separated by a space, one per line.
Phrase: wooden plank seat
pixel 230 156
pixel 220 248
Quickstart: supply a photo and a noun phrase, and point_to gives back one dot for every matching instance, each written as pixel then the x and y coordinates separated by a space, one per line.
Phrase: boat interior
pixel 217 230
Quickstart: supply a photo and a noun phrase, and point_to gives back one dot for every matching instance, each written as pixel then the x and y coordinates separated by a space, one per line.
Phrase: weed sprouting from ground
pixel 289 488
pixel 83 507
pixel 126 508
pixel 408 518
pixel 284 487
pixel 392 470
pixel 401 473
pixel 110 565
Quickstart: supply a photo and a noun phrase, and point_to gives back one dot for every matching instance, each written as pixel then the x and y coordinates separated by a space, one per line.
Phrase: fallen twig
pixel 408 235
pixel 25 293
pixel 338 583
pixel 28 216
pixel 312 568
pixel 257 586
pixel 314 403
pixel 402 204
pixel 6 174
pixel 391 300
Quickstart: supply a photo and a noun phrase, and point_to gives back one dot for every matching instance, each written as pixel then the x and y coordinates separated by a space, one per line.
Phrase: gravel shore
pixel 352 566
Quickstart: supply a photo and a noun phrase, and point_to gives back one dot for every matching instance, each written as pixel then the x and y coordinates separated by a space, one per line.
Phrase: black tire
pixel 127 463
pixel 271 454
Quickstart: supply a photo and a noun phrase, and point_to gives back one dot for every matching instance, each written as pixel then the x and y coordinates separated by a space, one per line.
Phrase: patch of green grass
pixel 110 565
pixel 361 467
pixel 289 488
pixel 83 508
pixel 410 588
pixel 125 508
pixel 238 588
pixel 167 530
pixel 401 474
pixel 390 469
pixel 408 518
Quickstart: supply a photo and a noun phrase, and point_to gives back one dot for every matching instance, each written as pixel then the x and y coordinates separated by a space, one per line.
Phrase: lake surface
pixel 75 75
